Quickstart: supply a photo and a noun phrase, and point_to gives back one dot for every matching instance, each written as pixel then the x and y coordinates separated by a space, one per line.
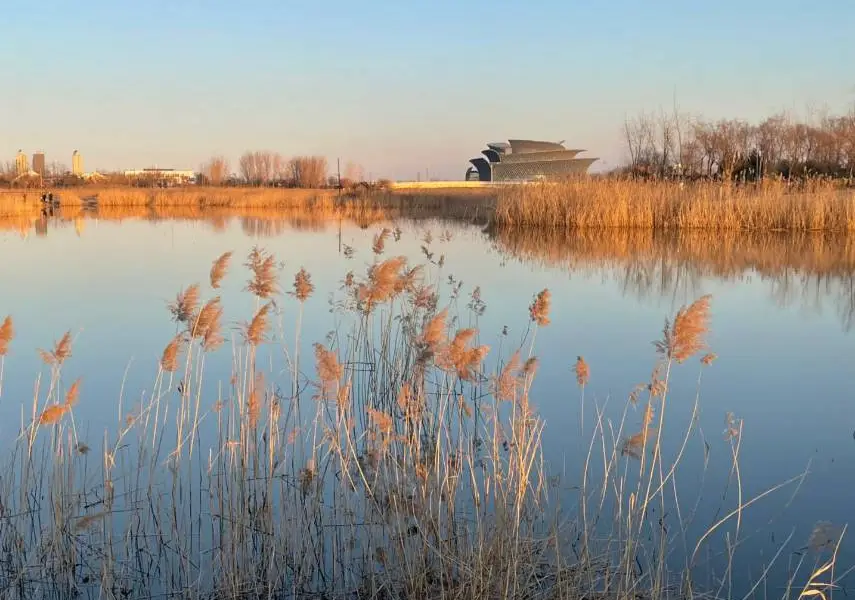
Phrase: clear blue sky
pixel 399 87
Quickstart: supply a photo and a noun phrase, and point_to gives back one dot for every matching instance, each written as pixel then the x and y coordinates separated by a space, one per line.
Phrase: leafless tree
pixel 216 170
pixel 308 171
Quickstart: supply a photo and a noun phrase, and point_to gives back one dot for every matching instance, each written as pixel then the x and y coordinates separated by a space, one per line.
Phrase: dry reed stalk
pixel 303 286
pixel 169 359
pixel 582 371
pixel 685 337
pixel 253 401
pixel 219 268
pixel 186 303
pixel 257 328
pixel 539 308
pixel 7 332
pixel 60 353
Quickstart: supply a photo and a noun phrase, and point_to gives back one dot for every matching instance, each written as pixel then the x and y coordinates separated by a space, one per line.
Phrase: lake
pixel 781 313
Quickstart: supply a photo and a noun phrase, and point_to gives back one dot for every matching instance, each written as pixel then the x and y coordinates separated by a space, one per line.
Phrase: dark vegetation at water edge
pixel 402 459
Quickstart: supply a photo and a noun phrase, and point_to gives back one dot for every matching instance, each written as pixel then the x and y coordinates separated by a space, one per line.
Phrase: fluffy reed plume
pixel 583 373
pixel 185 305
pixel 60 353
pixel 263 267
pixel 7 332
pixel 708 358
pixel 73 393
pixel 380 241
pixel 383 282
pixel 539 309
pixel 433 335
pixel 505 385
pixel 219 268
pixel 169 359
pixel 54 413
pixel 257 328
pixel 459 357
pixel 208 326
pixel 634 445
pixel 303 286
pixel 685 337
pixel 328 368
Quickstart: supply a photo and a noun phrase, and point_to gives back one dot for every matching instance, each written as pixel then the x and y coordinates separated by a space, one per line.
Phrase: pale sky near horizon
pixel 399 88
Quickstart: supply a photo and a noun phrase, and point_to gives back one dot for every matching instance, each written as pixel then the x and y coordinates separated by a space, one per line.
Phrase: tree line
pixel 673 145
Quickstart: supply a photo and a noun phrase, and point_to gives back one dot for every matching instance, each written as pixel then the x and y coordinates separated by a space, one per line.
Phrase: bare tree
pixel 216 170
pixel 308 171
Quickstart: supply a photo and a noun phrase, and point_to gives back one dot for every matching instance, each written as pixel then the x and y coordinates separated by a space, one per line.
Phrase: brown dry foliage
pixel 685 337
pixel 505 386
pixel 219 268
pixel 7 332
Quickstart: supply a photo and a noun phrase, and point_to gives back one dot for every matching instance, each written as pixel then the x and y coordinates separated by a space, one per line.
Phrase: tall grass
pixel 399 466
pixel 607 203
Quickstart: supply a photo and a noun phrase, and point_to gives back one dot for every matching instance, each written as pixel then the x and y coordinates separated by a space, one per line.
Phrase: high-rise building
pixel 22 165
pixel 77 164
pixel 39 163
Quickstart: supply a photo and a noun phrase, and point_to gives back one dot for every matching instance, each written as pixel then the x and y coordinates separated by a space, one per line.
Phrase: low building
pixel 22 164
pixel 162 176
pixel 39 164
pixel 527 160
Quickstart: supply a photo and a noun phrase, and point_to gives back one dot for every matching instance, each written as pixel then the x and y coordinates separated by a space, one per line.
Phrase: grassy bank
pixel 402 459
pixel 604 203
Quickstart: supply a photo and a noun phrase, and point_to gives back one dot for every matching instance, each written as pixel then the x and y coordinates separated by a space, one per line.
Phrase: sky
pixel 403 89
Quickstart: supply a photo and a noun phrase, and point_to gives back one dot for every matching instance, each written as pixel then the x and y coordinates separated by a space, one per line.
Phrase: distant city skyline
pixel 400 89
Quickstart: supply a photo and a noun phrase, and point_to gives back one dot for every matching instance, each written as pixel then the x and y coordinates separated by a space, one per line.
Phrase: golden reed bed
pixel 610 203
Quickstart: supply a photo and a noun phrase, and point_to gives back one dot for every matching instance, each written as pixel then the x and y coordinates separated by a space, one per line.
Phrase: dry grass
pixel 398 467
pixel 603 203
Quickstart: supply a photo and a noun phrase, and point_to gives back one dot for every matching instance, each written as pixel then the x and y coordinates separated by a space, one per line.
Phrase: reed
pixel 398 466
pixel 664 205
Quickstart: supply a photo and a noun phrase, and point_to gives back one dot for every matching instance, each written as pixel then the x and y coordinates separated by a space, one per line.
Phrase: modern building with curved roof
pixel 527 160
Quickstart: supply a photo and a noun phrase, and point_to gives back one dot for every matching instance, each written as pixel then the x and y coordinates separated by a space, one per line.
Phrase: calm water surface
pixel 780 328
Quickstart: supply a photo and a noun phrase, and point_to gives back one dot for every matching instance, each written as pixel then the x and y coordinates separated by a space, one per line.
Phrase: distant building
pixel 165 176
pixel 22 165
pixel 527 160
pixel 39 163
pixel 77 164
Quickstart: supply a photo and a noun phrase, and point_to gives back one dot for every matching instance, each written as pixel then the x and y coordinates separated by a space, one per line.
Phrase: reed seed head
pixel 7 332
pixel 219 268
pixel 169 359
pixel 328 368
pixel 505 386
pixel 60 353
pixel 459 357
pixel 380 241
pixel 185 305
pixel 257 328
pixel 303 286
pixel 73 393
pixel 264 278
pixel 207 326
pixel 685 337
pixel 583 373
pixel 539 308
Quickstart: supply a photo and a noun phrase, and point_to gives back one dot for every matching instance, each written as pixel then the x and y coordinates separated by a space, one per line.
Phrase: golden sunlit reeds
pixel 685 336
pixel 582 371
pixel 186 304
pixel 60 352
pixel 611 203
pixel 257 328
pixel 303 286
pixel 540 306
pixel 264 277
pixel 169 358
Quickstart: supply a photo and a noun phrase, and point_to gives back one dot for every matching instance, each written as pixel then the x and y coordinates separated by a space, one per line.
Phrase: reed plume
pixel 328 368
pixel 208 326
pixel 7 332
pixel 380 241
pixel 460 358
pixel 505 385
pixel 583 373
pixel 539 308
pixel 185 305
pixel 169 359
pixel 685 337
pixel 54 413
pixel 433 334
pixel 256 330
pixel 382 282
pixel 263 266
pixel 60 353
pixel 73 393
pixel 303 286
pixel 219 268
